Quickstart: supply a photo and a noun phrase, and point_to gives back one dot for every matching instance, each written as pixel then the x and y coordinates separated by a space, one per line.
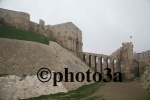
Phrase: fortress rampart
pixel 66 34
pixel 20 20
pixel 69 36
pixel 21 60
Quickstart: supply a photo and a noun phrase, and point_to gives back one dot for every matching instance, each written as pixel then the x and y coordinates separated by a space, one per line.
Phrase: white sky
pixel 105 24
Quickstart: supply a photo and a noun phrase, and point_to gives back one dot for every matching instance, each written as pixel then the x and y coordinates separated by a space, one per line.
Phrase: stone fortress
pixel 66 34
pixel 69 36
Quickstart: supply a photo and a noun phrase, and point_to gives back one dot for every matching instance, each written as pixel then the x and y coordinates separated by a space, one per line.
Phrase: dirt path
pixel 122 91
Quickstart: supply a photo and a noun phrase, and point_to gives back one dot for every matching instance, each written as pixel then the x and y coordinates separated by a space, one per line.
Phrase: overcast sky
pixel 105 24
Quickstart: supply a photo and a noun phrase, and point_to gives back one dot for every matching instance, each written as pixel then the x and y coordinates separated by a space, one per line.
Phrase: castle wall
pixel 49 32
pixel 143 60
pixel 66 34
pixel 38 28
pixel 42 27
pixel 69 36
pixel 19 20
pixel 143 57
pixel 33 26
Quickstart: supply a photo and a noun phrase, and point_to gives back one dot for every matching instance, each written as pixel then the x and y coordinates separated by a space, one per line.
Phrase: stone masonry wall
pixel 66 34
pixel 19 20
pixel 125 59
pixel 38 28
pixel 20 62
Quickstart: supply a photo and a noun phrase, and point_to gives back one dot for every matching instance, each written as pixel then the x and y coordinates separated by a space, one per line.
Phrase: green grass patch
pixel 78 94
pixel 93 98
pixel 13 33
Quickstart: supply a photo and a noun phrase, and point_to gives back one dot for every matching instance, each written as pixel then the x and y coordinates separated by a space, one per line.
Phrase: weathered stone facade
pixel 20 20
pixel 22 60
pixel 143 57
pixel 122 60
pixel 142 60
pixel 125 59
pixel 98 62
pixel 66 34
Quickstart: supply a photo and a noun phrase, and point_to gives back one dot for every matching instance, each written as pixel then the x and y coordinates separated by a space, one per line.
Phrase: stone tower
pixel 68 35
pixel 127 59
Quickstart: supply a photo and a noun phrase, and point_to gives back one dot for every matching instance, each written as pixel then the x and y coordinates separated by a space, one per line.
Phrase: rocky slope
pixel 20 62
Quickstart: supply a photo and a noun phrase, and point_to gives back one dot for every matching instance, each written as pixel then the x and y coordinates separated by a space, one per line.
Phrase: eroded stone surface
pixel 13 87
pixel 24 58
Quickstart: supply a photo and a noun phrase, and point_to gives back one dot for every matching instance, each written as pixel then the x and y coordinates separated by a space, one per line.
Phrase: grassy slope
pixel 85 92
pixel 79 94
pixel 13 33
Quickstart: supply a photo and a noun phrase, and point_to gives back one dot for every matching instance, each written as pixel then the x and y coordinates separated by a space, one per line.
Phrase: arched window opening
pixel 101 64
pixel 96 62
pixel 114 65
pixel 108 63
pixel 90 62
pixel 84 57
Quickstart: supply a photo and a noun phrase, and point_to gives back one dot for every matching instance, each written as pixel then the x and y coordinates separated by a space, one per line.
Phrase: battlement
pixel 127 44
